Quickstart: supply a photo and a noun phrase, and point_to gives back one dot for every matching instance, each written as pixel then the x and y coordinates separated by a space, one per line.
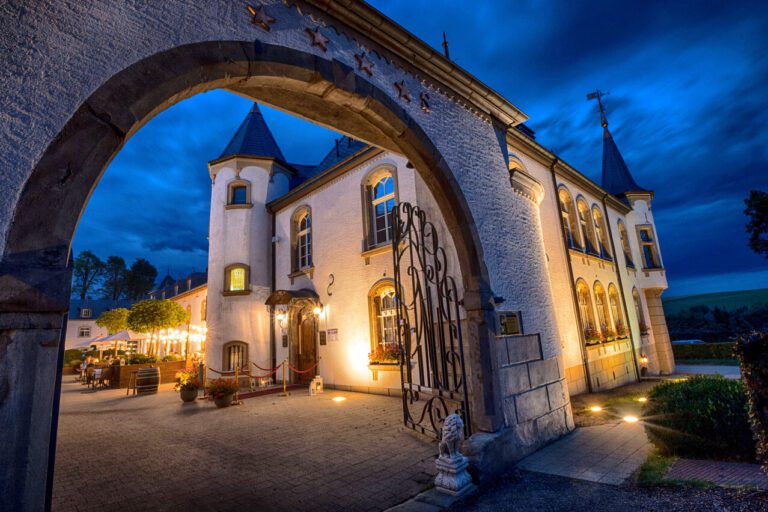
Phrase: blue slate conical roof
pixel 253 138
pixel 616 176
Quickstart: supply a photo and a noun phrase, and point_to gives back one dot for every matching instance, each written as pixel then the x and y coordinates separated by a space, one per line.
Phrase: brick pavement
pixel 272 453
pixel 718 472
pixel 607 453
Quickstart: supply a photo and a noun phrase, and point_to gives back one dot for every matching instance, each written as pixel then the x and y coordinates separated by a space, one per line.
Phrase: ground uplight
pixel 631 419
pixel 642 399
pixel 595 408
pixel 339 398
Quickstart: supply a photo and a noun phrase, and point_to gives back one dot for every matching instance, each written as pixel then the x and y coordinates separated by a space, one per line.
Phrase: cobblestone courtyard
pixel 271 453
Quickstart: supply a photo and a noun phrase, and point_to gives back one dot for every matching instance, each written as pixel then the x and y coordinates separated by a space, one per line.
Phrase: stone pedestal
pixel 452 476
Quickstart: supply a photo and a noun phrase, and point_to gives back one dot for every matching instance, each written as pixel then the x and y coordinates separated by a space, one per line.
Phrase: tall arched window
pixel 383 317
pixel 619 325
pixel 587 226
pixel 235 355
pixel 203 310
pixel 237 279
pixel 585 312
pixel 304 241
pixel 603 314
pixel 568 213
pixel 601 233
pixel 625 244
pixel 380 196
pixel 639 311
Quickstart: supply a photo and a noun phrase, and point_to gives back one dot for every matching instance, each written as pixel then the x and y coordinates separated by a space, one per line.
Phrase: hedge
pixel 704 351
pixel 701 417
pixel 753 358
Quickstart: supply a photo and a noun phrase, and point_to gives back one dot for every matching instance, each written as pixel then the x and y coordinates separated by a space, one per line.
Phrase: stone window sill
pixel 230 293
pixel 376 250
pixel 308 271
pixel 384 367
pixel 238 206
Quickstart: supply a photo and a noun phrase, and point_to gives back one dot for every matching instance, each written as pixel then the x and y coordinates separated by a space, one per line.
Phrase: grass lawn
pixel 714 362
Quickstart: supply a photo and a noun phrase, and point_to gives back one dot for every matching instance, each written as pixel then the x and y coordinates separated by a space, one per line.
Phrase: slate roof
pixel 253 138
pixel 97 307
pixel 617 179
pixel 343 148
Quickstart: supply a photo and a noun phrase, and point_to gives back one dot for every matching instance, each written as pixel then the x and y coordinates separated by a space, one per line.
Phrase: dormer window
pixel 239 194
pixel 85 312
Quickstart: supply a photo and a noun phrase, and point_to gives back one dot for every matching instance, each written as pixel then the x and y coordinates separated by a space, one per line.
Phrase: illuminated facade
pixel 301 269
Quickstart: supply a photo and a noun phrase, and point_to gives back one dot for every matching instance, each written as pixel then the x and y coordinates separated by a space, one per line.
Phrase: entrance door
pixel 307 349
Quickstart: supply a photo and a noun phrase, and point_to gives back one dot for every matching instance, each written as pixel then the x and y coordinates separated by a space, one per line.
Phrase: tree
pixel 757 227
pixel 140 279
pixel 115 274
pixel 88 270
pixel 149 316
pixel 114 320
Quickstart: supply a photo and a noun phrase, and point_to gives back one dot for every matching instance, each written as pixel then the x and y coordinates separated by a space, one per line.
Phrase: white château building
pixel 301 266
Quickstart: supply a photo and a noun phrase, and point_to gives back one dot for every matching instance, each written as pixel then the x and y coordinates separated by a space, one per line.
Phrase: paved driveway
pixel 271 453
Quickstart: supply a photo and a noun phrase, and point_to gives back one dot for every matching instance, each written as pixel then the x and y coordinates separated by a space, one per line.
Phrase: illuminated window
pixel 601 233
pixel 639 311
pixel 235 356
pixel 85 313
pixel 585 312
pixel 302 239
pixel 603 314
pixel 203 311
pixel 380 194
pixel 383 317
pixel 236 279
pixel 84 332
pixel 625 245
pixel 619 325
pixel 568 213
pixel 587 226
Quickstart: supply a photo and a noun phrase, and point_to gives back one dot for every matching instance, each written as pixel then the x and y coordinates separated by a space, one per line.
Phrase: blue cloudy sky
pixel 688 109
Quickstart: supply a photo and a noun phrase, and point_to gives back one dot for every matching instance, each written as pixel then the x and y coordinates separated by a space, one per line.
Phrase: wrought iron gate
pixel 429 328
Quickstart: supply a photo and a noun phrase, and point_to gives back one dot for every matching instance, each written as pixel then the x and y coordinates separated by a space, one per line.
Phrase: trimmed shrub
pixel 701 417
pixel 72 353
pixel 142 358
pixel 172 357
pixel 753 359
pixel 704 351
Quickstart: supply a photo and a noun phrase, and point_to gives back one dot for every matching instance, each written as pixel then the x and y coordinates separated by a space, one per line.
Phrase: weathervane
pixel 598 95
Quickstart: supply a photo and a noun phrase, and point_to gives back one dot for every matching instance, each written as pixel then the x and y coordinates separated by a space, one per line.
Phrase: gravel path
pixel 522 491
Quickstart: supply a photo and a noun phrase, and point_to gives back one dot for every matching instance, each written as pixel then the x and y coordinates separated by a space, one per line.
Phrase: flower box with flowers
pixel 591 336
pixel 385 355
pixel 187 384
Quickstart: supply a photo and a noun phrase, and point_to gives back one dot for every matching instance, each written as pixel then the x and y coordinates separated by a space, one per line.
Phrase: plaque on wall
pixel 333 335
pixel 510 323
pixel 285 340
pixel 322 337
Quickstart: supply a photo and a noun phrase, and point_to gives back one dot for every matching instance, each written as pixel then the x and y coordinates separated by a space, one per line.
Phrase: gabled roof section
pixel 343 149
pixel 616 176
pixel 253 138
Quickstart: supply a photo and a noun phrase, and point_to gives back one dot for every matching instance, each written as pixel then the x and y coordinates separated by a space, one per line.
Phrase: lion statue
pixel 453 435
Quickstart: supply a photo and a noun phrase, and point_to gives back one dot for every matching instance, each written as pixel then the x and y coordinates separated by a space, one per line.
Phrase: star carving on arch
pixel 364 64
pixel 318 39
pixel 260 17
pixel 402 91
pixel 424 97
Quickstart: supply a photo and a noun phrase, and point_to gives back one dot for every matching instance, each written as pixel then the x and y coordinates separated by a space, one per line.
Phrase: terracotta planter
pixel 188 395
pixel 224 401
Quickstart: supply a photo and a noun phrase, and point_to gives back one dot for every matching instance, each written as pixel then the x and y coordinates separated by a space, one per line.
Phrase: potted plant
pixel 387 354
pixel 591 336
pixel 621 329
pixel 221 391
pixel 608 334
pixel 187 385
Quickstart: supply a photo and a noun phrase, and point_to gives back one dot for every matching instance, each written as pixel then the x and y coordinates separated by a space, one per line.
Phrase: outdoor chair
pixel 105 378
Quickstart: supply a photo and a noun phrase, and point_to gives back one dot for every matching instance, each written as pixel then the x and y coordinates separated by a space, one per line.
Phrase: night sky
pixel 688 110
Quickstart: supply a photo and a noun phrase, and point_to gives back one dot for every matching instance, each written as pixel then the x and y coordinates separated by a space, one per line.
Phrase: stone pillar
pixel 661 339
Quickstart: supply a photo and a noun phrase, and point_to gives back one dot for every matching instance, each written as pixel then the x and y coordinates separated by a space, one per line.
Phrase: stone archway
pixel 457 149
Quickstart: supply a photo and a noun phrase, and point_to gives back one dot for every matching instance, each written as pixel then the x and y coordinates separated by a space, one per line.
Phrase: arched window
pixel 235 355
pixel 239 194
pixel 585 312
pixel 237 279
pixel 302 239
pixel 639 311
pixel 619 325
pixel 203 310
pixel 380 197
pixel 587 226
pixel 383 317
pixel 648 247
pixel 601 233
pixel 625 245
pixel 568 213
pixel 603 314
pixel 189 313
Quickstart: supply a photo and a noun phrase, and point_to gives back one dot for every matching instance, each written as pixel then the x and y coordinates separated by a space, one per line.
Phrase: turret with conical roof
pixel 253 139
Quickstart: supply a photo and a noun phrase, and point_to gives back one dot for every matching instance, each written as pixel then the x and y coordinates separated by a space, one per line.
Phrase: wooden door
pixel 307 349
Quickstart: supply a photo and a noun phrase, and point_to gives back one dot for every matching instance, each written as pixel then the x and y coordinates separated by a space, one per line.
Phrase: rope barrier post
pixel 285 391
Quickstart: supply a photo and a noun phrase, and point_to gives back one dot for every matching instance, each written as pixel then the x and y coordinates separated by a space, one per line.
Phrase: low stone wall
pixel 167 372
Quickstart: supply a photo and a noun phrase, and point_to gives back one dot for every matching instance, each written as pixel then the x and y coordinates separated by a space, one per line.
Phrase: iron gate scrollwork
pixel 429 334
